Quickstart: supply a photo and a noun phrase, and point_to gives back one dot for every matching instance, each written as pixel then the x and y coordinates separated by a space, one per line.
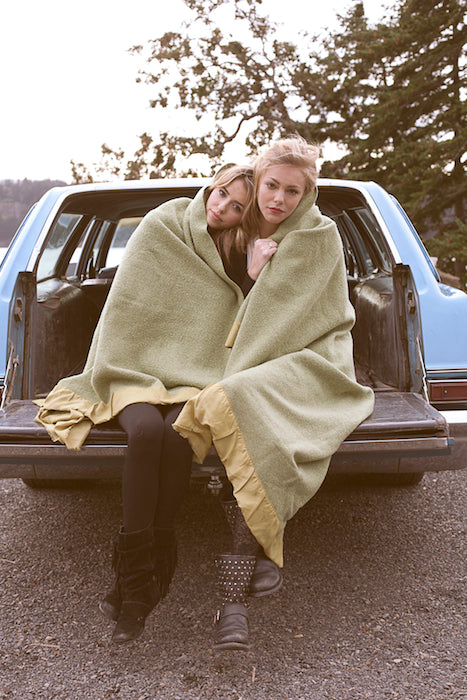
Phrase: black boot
pixel 165 561
pixel 112 602
pixel 267 577
pixel 137 583
pixel 234 576
pixel 165 550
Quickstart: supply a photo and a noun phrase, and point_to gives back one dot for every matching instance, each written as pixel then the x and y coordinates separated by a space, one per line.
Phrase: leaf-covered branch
pixel 390 95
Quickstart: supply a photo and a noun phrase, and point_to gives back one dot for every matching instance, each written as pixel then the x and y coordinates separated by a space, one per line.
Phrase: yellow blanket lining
pixel 232 334
pixel 72 424
pixel 219 425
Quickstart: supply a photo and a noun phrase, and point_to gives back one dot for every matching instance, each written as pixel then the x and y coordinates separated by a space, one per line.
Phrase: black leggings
pixel 157 466
pixel 243 541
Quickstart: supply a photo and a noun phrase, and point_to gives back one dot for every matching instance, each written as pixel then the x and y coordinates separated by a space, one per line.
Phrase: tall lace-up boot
pixel 267 577
pixel 234 576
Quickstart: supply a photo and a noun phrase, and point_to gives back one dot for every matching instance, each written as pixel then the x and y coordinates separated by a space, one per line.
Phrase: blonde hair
pixel 237 237
pixel 293 151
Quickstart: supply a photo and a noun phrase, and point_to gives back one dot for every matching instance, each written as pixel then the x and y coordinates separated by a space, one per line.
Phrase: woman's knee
pixel 143 424
pixel 172 439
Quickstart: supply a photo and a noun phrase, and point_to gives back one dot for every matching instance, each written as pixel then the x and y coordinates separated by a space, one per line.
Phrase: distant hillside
pixel 16 198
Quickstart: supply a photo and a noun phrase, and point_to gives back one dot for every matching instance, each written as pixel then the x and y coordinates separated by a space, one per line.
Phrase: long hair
pixel 237 237
pixel 293 151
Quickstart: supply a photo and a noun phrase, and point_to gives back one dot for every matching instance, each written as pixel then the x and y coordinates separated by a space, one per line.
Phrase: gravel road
pixel 373 603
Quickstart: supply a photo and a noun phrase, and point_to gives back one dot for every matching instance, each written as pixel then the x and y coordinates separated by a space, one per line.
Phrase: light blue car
pixel 410 336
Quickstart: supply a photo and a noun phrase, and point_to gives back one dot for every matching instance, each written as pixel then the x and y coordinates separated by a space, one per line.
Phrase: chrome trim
pixel 422 365
pixel 405 445
pixel 370 446
pixel 11 367
pixel 61 452
pixel 432 374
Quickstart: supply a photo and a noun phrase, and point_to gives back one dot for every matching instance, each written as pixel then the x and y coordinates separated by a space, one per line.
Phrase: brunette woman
pixel 159 341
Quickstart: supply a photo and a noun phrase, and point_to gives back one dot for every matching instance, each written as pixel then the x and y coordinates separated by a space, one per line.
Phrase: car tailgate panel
pixel 401 424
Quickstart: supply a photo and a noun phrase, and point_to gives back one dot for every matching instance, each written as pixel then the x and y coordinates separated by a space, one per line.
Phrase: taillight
pixel 448 392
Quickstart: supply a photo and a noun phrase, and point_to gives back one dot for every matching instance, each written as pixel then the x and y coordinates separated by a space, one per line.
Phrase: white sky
pixel 68 83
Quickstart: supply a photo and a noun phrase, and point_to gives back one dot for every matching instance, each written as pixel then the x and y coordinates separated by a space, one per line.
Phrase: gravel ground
pixel 373 603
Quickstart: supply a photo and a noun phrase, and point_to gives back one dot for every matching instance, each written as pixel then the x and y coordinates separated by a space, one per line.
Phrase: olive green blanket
pixel 288 397
pixel 161 335
pixel 269 379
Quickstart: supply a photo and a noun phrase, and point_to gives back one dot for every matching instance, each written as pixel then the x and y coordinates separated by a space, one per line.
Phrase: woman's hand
pixel 263 250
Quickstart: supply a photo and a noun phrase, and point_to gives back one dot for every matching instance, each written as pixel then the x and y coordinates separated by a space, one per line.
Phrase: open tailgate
pixel 402 424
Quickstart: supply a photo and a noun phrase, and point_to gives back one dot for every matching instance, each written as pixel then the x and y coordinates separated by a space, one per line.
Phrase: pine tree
pixel 403 113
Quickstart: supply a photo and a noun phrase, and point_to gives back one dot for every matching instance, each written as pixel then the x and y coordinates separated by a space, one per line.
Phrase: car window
pixel 370 231
pixel 351 262
pixel 93 263
pixel 122 234
pixel 74 259
pixel 64 228
pixel 101 246
pixel 358 253
pixel 84 261
pixel 10 251
pixel 79 247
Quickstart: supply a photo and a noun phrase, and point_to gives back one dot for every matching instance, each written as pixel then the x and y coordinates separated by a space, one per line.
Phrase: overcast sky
pixel 68 83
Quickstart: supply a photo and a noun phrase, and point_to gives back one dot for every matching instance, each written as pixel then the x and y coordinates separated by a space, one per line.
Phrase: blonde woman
pixel 288 396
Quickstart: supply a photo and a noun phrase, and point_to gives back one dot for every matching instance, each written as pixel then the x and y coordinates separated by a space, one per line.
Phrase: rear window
pixel 63 230
pixel 123 232
pixel 364 246
pixel 371 232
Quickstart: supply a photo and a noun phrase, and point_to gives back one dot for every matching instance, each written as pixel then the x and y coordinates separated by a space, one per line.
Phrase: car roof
pixel 175 183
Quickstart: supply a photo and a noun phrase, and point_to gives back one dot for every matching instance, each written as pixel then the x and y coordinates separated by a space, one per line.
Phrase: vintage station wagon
pixel 410 335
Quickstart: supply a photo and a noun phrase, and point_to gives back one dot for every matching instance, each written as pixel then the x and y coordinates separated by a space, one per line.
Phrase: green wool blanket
pixel 288 397
pixel 268 379
pixel 161 334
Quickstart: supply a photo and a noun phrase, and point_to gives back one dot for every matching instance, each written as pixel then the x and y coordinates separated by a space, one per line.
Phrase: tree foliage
pixel 390 95
pixel 403 88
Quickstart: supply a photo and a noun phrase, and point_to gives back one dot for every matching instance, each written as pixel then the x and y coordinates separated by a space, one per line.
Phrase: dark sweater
pixel 236 268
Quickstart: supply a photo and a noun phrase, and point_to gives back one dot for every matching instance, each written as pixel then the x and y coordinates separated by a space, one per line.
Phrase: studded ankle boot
pixel 234 576
pixel 267 577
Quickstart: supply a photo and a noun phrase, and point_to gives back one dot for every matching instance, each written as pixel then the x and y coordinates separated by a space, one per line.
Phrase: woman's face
pixel 280 191
pixel 225 205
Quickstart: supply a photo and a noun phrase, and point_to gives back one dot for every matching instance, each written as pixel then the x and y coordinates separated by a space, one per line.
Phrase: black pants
pixel 157 466
pixel 243 541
